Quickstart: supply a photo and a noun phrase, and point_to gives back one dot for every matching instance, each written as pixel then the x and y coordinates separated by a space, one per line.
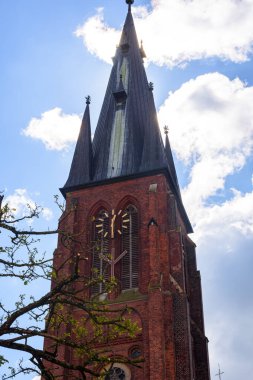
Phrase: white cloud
pixel 37 378
pixel 233 347
pixel 211 124
pixel 224 236
pixel 177 31
pixel 233 217
pixel 211 131
pixel 54 128
pixel 98 37
pixel 20 202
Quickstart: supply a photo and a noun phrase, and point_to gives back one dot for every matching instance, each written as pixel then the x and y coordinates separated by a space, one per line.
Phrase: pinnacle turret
pixel 170 161
pixel 81 167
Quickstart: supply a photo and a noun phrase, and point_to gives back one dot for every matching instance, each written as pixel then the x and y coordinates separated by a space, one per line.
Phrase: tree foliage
pixel 30 320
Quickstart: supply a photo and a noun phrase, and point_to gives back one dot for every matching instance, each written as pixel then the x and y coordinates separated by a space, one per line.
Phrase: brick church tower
pixel 125 190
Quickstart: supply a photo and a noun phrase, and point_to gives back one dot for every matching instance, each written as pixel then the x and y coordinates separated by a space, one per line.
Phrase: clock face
pixel 102 223
pixel 106 223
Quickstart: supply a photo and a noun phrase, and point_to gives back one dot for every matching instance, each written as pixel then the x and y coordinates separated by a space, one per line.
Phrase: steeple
pixel 127 141
pixel 128 207
pixel 81 167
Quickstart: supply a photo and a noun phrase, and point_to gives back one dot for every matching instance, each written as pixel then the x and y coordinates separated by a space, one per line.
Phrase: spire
pixel 170 160
pixel 127 140
pixel 81 167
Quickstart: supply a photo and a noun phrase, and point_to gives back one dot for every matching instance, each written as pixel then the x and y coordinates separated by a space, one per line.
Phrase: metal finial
pixel 151 86
pixel 129 2
pixel 166 130
pixel 88 99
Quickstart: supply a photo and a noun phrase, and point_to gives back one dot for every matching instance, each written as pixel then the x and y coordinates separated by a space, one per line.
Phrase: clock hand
pixel 112 226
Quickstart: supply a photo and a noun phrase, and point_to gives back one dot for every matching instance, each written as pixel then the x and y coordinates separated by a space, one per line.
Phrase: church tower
pixel 124 188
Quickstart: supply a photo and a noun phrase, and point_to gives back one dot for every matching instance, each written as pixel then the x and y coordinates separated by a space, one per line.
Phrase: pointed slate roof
pixel 81 167
pixel 127 140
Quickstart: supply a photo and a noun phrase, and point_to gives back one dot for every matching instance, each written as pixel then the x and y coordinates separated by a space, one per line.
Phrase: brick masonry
pixel 169 302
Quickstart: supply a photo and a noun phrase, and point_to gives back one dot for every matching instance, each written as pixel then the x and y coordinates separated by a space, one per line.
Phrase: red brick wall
pixel 163 302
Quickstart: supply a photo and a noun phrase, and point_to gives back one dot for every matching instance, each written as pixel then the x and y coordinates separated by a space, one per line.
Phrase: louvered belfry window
pixel 101 247
pixel 129 239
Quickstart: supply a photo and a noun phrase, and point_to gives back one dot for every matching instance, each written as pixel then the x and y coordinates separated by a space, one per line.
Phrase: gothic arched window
pixel 129 241
pixel 101 249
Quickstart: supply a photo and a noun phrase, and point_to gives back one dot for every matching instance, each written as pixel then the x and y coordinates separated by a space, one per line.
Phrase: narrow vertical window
pixel 130 262
pixel 100 249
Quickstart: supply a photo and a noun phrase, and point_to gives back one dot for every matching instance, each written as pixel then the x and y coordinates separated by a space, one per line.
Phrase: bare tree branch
pixel 49 317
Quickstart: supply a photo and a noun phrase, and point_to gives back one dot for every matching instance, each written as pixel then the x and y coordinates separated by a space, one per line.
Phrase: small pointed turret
pixel 169 157
pixel 81 167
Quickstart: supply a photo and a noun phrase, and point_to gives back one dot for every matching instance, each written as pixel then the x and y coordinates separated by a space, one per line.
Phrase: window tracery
pixel 129 242
pixel 101 246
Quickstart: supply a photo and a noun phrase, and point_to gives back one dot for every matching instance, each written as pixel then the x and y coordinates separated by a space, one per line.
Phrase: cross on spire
pixel 219 373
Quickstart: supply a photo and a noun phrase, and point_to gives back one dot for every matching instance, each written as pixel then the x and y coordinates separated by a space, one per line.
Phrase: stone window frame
pixel 135 252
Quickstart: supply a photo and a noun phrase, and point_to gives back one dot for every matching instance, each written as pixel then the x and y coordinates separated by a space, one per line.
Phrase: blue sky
pixel 54 53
